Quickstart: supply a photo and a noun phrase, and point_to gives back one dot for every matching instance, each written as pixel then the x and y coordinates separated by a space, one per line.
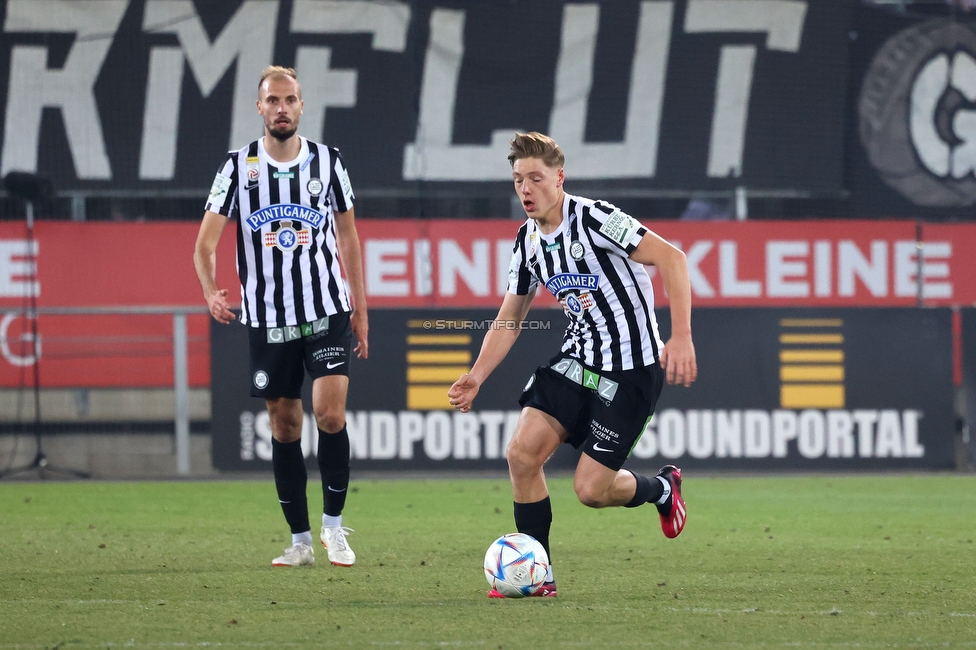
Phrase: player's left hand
pixel 219 309
pixel 360 329
pixel 463 392
pixel 678 361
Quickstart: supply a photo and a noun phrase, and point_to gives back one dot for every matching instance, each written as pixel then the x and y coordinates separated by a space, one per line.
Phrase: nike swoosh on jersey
pixel 597 447
pixel 330 365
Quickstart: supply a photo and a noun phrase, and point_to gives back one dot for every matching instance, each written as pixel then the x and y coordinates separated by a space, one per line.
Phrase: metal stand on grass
pixel 32 188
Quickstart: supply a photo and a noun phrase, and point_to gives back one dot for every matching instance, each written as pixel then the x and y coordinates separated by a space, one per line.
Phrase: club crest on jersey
pixel 285 212
pixel 576 250
pixel 287 238
pixel 315 186
pixel 573 305
pixel 576 304
pixel 561 282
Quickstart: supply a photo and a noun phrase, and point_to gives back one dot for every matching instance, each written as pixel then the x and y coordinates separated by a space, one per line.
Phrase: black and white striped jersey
pixel 607 296
pixel 287 257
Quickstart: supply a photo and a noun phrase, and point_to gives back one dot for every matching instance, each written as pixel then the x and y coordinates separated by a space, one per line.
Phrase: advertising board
pixel 796 389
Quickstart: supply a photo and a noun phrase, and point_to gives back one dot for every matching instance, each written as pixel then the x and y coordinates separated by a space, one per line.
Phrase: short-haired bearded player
pixel 600 390
pixel 293 204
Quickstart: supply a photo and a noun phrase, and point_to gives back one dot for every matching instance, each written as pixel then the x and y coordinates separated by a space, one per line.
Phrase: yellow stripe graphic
pixel 811 322
pixel 431 374
pixel 821 339
pixel 438 339
pixel 801 396
pixel 460 357
pixel 428 397
pixel 811 373
pixel 811 356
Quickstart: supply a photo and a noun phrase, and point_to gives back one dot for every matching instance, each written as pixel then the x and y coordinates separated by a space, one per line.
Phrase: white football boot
pixel 296 555
pixel 334 541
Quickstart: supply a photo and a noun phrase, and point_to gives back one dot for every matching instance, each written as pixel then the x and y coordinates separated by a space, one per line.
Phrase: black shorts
pixel 605 413
pixel 281 355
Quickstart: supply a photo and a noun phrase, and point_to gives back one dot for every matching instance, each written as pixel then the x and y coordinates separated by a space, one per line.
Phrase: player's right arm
pixel 498 341
pixel 205 262
pixel 678 357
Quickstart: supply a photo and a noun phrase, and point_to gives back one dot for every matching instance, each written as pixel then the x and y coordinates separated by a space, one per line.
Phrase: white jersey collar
pixel 302 154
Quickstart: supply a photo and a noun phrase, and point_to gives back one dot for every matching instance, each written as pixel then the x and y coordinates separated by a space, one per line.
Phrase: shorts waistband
pixel 575 372
pixel 293 332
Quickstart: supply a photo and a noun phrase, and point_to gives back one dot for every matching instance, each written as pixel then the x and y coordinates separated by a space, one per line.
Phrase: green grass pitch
pixel 832 561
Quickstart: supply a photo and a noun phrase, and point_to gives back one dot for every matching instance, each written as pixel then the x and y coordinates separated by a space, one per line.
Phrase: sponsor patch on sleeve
pixel 344 182
pixel 513 273
pixel 218 191
pixel 619 227
pixel 516 267
pixel 513 266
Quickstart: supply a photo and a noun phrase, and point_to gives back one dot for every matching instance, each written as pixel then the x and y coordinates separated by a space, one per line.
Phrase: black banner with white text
pixel 670 95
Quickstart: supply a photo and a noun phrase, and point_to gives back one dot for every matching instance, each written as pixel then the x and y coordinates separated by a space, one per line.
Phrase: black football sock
pixel 535 519
pixel 648 489
pixel 334 465
pixel 291 479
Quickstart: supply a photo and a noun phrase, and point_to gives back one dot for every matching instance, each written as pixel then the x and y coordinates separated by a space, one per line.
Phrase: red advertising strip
pixel 431 263
pixel 102 265
pixel 798 263
pixel 731 264
pixel 437 263
pixel 101 351
pixel 949 264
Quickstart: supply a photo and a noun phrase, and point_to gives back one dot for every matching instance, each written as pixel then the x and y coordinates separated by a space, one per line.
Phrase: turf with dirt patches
pixel 814 561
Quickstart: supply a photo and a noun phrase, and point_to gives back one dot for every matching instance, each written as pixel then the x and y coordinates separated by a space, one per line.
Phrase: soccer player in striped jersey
pixel 293 204
pixel 600 390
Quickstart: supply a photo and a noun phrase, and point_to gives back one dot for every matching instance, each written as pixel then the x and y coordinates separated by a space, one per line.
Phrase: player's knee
pixel 329 419
pixel 516 459
pixel 589 496
pixel 521 460
pixel 286 426
pixel 591 500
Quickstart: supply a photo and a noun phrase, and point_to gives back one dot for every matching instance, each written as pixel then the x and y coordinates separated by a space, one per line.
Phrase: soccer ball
pixel 516 565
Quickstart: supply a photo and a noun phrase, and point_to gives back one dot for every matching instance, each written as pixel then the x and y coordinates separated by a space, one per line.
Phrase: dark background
pixel 803 157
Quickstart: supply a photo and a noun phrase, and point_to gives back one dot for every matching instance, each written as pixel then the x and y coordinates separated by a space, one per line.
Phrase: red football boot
pixel 672 512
